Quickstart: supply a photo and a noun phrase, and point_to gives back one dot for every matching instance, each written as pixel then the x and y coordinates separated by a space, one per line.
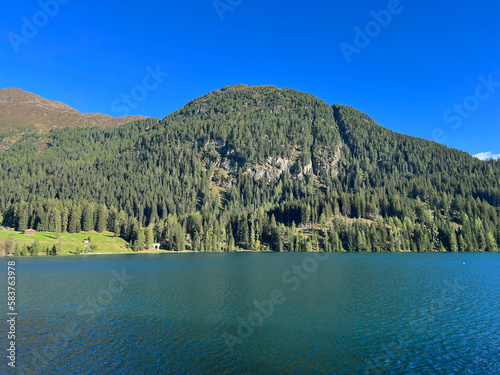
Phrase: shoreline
pixel 245 251
pixel 142 252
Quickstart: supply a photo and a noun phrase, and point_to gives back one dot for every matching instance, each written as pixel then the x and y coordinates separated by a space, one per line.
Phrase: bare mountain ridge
pixel 21 110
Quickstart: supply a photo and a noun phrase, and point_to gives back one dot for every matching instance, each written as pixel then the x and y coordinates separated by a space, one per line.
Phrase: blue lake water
pixel 253 313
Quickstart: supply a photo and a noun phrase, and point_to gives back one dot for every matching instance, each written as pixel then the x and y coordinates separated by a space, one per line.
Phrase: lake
pixel 251 313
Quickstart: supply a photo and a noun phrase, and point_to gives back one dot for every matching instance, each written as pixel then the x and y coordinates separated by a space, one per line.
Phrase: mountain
pixel 21 110
pixel 254 167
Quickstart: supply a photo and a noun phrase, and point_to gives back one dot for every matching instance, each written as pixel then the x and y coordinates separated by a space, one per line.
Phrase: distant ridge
pixel 23 110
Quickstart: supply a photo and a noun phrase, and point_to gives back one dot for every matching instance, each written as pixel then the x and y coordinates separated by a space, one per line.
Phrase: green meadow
pixel 105 242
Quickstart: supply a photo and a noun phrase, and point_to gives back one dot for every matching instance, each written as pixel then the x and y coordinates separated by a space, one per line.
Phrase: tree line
pixel 254 168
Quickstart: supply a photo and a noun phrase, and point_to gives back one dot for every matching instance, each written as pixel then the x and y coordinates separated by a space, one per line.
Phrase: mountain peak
pixel 21 110
pixel 16 95
pixel 244 87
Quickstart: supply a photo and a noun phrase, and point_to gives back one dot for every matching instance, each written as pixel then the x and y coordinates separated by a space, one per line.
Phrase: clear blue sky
pixel 415 69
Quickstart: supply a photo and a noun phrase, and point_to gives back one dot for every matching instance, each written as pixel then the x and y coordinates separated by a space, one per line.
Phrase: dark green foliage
pixel 254 168
pixel 35 248
pixel 55 250
pixel 10 245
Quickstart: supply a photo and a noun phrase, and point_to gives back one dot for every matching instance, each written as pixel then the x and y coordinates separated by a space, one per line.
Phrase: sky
pixel 424 68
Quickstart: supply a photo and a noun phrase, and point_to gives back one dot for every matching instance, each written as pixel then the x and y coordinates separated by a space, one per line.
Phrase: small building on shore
pixel 29 232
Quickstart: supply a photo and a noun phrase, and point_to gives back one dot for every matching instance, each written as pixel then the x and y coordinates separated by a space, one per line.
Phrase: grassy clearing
pixel 105 242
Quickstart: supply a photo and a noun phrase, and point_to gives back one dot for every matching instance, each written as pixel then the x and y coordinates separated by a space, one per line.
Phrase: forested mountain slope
pixel 254 167
pixel 419 166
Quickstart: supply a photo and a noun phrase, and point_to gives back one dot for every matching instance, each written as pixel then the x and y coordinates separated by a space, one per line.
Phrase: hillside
pixel 66 244
pixel 259 168
pixel 21 111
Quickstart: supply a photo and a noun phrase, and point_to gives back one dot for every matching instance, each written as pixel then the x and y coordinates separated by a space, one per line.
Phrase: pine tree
pixel 35 248
pixel 491 244
pixel 53 251
pixel 480 235
pixel 54 220
pixel 10 244
pixel 64 219
pixel 102 218
pixel 23 216
pixel 149 237
pixel 361 240
pixel 453 241
pixel 74 225
pixel 179 238
pixel 141 239
pixel 58 248
pixel 88 217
